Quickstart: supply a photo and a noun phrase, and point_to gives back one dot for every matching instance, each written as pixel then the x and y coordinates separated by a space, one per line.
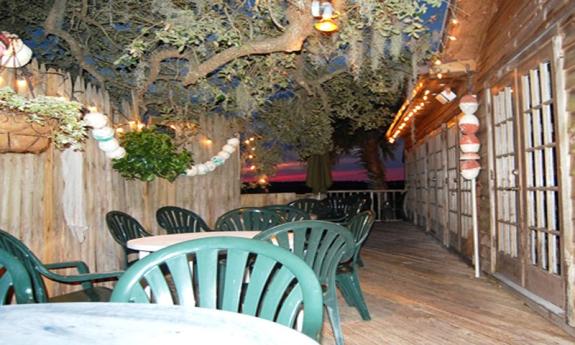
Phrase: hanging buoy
pixel 470 169
pixel 469 143
pixel 16 54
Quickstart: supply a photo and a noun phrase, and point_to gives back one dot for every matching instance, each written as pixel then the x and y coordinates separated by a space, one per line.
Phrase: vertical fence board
pixel 31 186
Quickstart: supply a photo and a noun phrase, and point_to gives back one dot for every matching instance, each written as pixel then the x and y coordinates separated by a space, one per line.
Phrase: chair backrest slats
pixel 289 213
pixel 248 218
pixel 360 227
pixel 124 227
pixel 322 245
pixel 234 274
pixel 180 220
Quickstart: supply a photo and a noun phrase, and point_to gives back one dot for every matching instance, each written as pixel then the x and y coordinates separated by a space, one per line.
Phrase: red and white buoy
pixel 470 166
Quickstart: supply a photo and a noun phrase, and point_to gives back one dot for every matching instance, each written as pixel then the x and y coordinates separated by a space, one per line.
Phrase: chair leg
pixel 331 304
pixel 343 284
pixel 359 261
pixel 350 282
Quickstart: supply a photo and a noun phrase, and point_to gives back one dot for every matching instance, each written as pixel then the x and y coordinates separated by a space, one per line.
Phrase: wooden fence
pixel 31 186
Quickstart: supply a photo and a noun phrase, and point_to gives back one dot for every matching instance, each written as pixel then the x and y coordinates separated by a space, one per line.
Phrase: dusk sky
pixel 347 169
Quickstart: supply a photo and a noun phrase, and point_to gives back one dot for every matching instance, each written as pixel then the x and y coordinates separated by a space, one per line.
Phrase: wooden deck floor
pixel 419 293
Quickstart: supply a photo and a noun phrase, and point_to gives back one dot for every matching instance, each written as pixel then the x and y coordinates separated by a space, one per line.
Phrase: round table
pixel 145 245
pixel 142 324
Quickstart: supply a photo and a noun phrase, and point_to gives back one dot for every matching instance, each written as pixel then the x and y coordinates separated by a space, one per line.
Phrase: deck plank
pixel 418 293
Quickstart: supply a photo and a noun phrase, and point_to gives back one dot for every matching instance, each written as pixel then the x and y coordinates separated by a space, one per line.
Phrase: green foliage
pixel 70 131
pixel 150 154
pixel 383 43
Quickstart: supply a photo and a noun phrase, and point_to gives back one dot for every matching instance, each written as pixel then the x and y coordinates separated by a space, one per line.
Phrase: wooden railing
pixel 387 204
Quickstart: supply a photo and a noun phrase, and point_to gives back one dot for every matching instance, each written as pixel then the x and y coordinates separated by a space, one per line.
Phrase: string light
pixel 208 141
pixel 250 156
pixel 437 62
pixel 439 75
pixel 119 130
pixel 21 84
pixel 451 38
pixel 247 142
pixel 252 139
pixel 253 167
pixel 454 21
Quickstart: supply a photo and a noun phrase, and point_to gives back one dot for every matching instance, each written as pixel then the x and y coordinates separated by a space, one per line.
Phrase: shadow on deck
pixel 419 293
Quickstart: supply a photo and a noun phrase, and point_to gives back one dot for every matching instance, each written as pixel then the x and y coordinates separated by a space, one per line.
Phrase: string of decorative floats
pixel 107 142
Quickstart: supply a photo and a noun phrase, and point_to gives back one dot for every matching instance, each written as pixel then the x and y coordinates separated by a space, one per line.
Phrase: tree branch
pixel 53 25
pixel 292 39
pixel 155 65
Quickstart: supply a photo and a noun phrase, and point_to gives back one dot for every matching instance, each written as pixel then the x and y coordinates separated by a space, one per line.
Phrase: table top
pixel 153 243
pixel 142 324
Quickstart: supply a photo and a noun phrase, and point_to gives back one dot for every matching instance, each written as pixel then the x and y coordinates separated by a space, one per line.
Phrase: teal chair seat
pixel 347 278
pixel 248 218
pixel 322 245
pixel 233 274
pixel 36 270
pixel 14 280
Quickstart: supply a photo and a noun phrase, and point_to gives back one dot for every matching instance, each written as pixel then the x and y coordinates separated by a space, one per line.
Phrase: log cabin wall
pixel 31 187
pixel 522 36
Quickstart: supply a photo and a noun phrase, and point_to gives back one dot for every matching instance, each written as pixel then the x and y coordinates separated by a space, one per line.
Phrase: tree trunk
pixel 372 161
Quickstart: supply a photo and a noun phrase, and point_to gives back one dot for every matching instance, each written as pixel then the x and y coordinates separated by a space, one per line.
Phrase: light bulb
pixel 326 25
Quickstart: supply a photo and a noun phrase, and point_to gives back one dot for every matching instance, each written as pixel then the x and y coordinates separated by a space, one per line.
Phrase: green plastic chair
pixel 14 280
pixel 36 270
pixel 289 213
pixel 248 218
pixel 313 207
pixel 123 228
pixel 342 209
pixel 177 220
pixel 347 278
pixel 233 274
pixel 322 245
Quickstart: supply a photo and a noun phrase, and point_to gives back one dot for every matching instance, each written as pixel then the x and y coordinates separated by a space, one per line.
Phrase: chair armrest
pixel 88 277
pixel 80 266
pixel 84 277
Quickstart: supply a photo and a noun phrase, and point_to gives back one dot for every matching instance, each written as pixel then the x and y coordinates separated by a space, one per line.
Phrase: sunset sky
pixel 347 169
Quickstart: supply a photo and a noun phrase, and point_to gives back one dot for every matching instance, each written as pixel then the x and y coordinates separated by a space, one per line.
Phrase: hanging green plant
pixel 70 130
pixel 150 154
